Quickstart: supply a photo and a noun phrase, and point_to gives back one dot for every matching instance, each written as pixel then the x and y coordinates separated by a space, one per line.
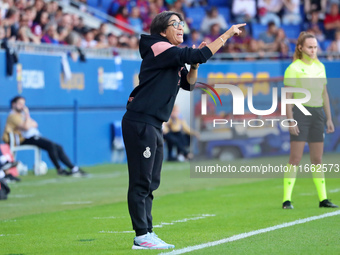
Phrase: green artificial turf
pixel 64 215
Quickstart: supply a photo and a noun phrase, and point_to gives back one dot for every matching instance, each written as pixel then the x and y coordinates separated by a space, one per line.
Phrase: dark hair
pixel 160 23
pixel 15 99
pixel 271 23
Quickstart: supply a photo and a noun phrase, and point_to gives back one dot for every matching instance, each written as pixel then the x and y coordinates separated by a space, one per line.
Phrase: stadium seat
pixel 104 5
pixel 325 44
pixel 292 46
pixel 37 151
pixel 258 29
pixel 93 3
pixel 196 14
pixel 220 3
pixel 292 31
pixel 225 12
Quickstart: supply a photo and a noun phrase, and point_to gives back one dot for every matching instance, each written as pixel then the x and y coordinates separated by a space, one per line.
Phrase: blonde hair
pixel 300 41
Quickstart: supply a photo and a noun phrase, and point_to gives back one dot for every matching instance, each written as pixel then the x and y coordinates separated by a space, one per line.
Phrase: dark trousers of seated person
pixel 55 151
pixel 178 140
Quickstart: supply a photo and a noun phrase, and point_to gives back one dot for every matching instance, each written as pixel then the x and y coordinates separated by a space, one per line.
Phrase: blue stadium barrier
pixel 78 114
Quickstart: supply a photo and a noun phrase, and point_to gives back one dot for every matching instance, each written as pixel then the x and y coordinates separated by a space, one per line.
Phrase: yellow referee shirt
pixel 311 77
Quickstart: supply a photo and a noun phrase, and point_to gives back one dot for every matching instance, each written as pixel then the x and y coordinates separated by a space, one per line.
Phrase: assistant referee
pixel 309 73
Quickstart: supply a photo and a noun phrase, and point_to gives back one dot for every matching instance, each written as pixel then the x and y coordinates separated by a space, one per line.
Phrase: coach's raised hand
pixel 222 39
pixel 235 30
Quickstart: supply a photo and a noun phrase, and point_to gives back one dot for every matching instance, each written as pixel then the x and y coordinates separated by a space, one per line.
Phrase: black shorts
pixel 311 127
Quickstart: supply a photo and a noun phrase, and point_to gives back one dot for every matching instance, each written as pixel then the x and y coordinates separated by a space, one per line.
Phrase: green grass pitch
pixel 62 215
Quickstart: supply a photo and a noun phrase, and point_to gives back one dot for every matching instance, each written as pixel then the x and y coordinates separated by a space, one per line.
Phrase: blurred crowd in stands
pixel 45 21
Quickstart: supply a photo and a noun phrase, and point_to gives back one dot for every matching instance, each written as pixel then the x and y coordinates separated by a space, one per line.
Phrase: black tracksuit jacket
pixel 161 75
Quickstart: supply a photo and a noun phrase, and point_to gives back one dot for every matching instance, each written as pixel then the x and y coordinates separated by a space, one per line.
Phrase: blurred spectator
pixel 52 8
pixel 160 5
pixel 64 32
pixel 213 17
pixel 195 3
pixel 79 25
pixel 195 38
pixel 135 20
pixel 39 27
pixel 267 38
pixel 50 34
pixel 316 25
pixel 177 134
pixel 242 41
pixel 153 11
pixel 73 38
pixel 281 40
pixel 21 4
pixel 24 33
pixel 244 11
pixel 88 41
pixel 122 15
pixel 103 28
pixel 254 47
pixel 101 41
pixel 112 40
pixel 4 6
pixel 213 34
pixel 115 5
pixel 12 21
pixel 291 12
pixel 124 41
pixel 39 5
pixel 315 5
pixel 283 49
pixel 31 14
pixel 269 11
pixel 134 43
pixel 332 21
pixel 65 23
pixel 335 45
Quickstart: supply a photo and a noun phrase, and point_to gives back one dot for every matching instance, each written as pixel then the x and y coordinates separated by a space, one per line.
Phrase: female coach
pixel 161 75
pixel 309 128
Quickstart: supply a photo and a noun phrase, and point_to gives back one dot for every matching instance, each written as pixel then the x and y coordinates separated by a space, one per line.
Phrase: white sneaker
pixel 148 241
pixel 154 236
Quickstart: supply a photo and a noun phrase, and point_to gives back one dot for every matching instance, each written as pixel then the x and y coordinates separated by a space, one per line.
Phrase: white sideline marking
pixel 115 232
pixel 77 203
pixel 251 233
pixel 102 218
pixel 203 216
pixel 22 195
pixel 334 190
pixel 11 234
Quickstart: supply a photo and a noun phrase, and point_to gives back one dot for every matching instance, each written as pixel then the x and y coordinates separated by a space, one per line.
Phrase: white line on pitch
pixel 251 233
pixel 77 203
pixel 202 216
pixel 334 190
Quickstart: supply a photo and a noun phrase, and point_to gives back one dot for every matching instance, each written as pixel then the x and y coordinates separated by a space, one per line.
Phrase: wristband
pixel 223 42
